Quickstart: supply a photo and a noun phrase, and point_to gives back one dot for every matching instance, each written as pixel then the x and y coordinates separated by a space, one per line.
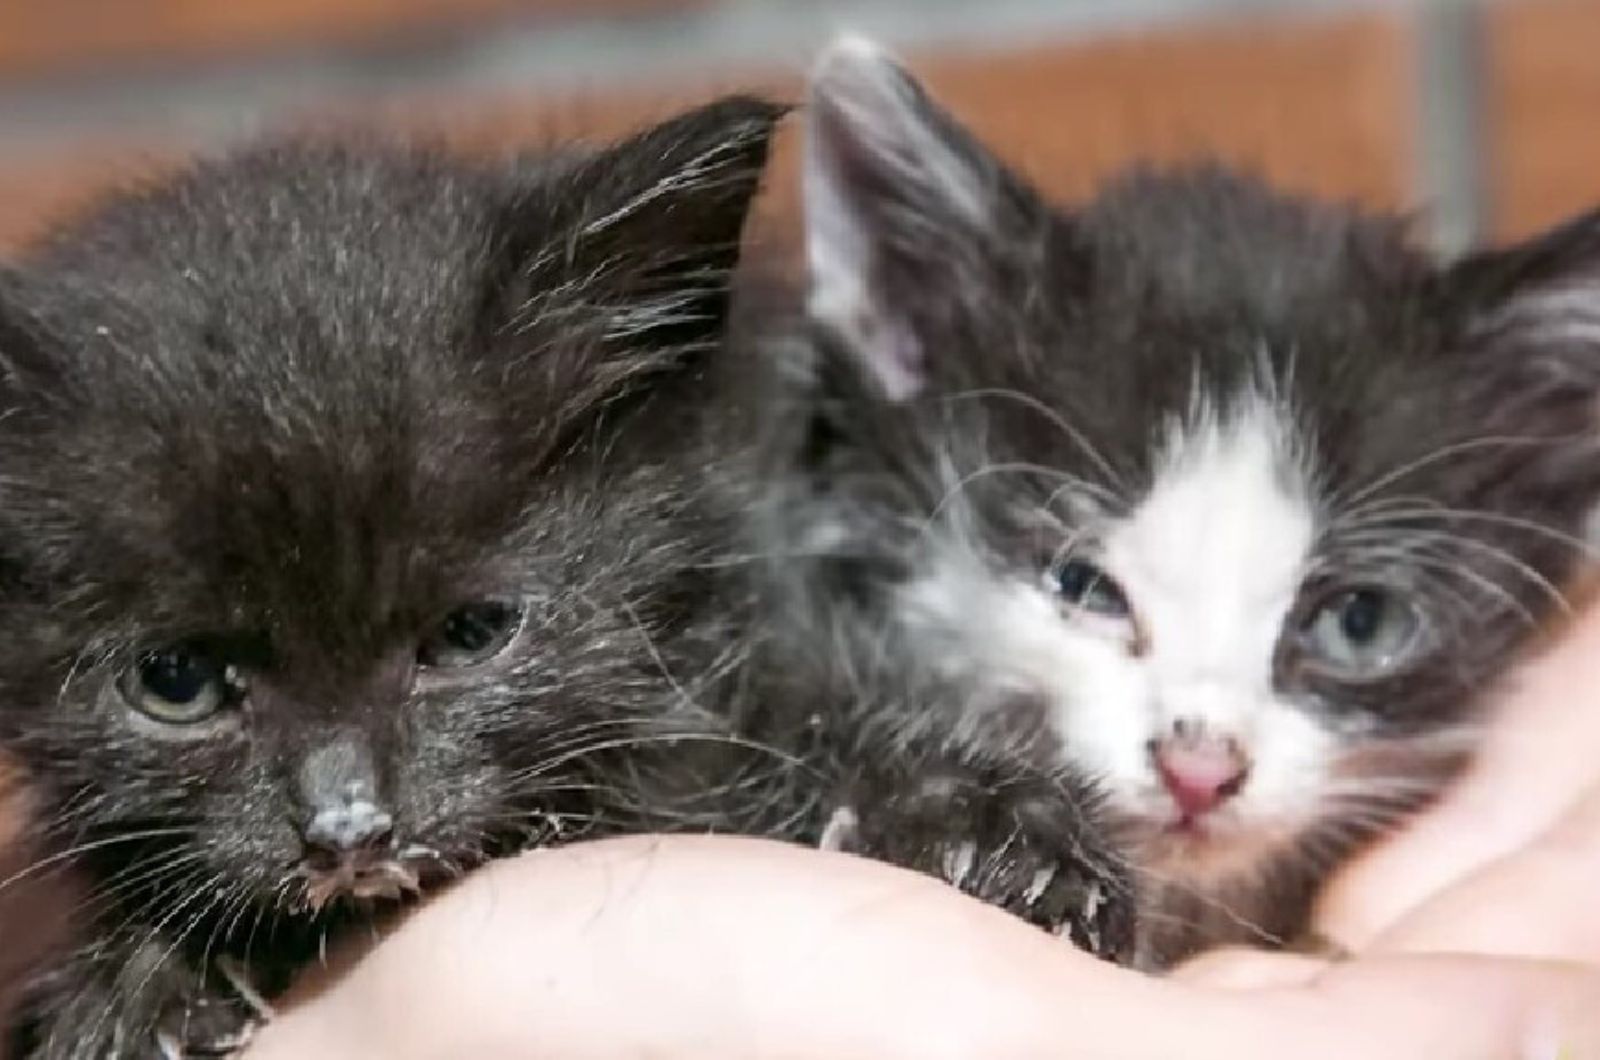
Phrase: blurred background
pixel 1481 115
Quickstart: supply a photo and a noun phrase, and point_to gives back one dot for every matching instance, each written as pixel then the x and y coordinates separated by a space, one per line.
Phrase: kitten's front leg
pixel 1026 842
pixel 218 1020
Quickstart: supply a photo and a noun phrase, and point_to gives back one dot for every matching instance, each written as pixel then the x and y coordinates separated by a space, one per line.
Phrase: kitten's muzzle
pixel 361 874
pixel 350 852
pixel 348 843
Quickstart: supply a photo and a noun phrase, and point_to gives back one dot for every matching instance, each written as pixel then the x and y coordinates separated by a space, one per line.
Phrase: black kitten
pixel 348 539
pixel 1230 503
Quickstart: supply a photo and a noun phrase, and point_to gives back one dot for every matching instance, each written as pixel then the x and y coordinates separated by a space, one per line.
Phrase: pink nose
pixel 1200 774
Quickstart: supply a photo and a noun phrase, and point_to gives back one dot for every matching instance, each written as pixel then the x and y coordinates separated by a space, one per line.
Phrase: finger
pixel 1391 1008
pixel 1536 758
pixel 1445 1008
pixel 1245 969
pixel 1537 902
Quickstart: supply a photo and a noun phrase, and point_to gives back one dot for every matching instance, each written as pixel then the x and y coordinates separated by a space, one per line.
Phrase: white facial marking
pixel 1211 562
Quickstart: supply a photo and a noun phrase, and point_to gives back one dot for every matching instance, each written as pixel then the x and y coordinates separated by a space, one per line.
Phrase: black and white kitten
pixel 348 540
pixel 1228 503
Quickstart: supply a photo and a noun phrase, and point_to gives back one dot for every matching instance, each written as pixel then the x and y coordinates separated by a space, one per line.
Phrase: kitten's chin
pixel 1203 852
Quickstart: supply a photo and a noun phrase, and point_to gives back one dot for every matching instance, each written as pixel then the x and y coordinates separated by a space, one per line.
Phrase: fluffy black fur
pixel 992 330
pixel 290 412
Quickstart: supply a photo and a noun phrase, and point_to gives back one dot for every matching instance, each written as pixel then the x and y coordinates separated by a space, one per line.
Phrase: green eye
pixel 1363 632
pixel 471 634
pixel 178 685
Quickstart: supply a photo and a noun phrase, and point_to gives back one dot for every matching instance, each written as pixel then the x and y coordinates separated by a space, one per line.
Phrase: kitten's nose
pixel 357 824
pixel 338 795
pixel 1200 772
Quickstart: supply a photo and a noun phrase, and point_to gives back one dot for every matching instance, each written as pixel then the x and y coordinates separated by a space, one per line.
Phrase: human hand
pixel 692 947
pixel 1538 760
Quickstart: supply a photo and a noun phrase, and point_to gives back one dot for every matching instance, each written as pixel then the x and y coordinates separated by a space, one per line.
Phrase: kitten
pixel 348 539
pixel 1229 503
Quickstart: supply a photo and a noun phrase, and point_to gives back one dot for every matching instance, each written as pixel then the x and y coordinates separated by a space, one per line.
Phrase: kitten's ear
pixel 1562 261
pixel 1529 316
pixel 903 211
pixel 1541 296
pixel 666 210
pixel 637 243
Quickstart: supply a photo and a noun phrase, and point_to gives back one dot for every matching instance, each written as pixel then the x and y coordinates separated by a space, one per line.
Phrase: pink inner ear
pixel 896 358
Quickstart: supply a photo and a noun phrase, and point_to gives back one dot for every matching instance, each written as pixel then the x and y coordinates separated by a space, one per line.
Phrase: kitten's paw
pixel 1032 850
pixel 207 1024
pixel 842 832
pixel 1073 895
pixel 206 1028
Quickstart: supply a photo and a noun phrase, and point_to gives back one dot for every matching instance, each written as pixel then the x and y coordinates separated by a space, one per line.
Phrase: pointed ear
pixel 1562 261
pixel 903 211
pixel 665 213
pixel 628 253
pixel 1528 317
pixel 1541 296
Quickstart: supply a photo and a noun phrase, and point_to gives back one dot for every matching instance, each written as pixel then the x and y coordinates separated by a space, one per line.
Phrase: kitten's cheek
pixel 1288 776
pixel 1101 711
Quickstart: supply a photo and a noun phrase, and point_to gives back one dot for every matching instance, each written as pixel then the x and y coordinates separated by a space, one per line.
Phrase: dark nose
pixel 1200 771
pixel 338 788
pixel 355 825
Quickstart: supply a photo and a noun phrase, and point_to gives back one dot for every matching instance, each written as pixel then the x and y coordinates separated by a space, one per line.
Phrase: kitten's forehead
pixel 1219 546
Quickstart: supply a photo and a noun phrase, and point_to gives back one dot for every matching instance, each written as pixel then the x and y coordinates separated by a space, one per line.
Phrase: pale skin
pixel 1476 934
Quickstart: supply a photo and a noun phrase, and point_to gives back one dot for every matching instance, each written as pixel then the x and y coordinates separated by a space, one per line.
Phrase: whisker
pixel 1440 512
pixel 83 848
pixel 641 741
pixel 1442 453
pixel 1054 417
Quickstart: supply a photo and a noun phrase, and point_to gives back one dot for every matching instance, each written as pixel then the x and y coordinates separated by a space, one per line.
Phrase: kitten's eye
pixel 472 633
pixel 179 685
pixel 1085 586
pixel 1363 632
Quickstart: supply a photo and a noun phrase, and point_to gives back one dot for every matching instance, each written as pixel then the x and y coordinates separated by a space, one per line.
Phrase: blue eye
pixel 1088 588
pixel 1364 632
